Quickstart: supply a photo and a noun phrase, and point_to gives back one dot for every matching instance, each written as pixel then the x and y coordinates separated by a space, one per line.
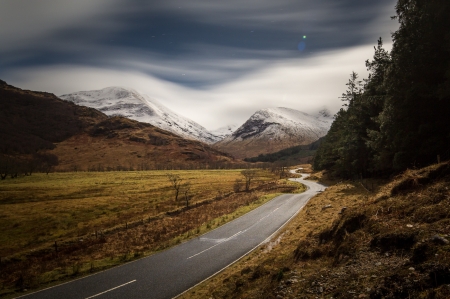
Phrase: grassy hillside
pixel 118 143
pixel 392 242
pixel 293 155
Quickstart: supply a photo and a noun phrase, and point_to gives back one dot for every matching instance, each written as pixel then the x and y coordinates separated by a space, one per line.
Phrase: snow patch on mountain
pixel 126 102
pixel 224 131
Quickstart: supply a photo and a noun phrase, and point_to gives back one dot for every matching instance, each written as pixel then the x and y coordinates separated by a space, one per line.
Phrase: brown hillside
pixel 250 147
pixel 120 144
pixel 31 121
pixel 85 139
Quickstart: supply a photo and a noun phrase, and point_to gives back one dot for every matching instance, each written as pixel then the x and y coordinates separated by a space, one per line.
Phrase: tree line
pixel 398 117
pixel 14 166
pixel 182 188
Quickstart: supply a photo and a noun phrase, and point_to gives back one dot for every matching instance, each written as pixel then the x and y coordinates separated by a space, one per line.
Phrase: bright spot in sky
pixel 304 36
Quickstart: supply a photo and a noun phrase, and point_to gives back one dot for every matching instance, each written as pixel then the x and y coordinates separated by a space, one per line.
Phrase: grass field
pixel 39 209
pixel 101 219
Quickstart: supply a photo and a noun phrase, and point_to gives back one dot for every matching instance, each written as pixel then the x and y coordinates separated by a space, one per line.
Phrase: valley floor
pixel 66 225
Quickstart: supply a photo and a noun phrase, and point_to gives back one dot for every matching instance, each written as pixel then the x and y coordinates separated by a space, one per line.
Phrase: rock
pixel 411 269
pixel 378 264
pixel 320 290
pixel 409 225
pixel 291 281
pixel 326 207
pixel 439 240
pixel 343 210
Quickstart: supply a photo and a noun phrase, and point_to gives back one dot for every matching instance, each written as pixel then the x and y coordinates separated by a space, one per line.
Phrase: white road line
pixel 220 241
pixel 223 240
pixel 111 289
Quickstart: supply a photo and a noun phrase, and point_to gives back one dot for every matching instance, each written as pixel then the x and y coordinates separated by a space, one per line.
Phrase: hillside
pixel 295 155
pixel 119 143
pixel 32 121
pixel 348 242
pixel 83 138
pixel 273 129
pixel 127 102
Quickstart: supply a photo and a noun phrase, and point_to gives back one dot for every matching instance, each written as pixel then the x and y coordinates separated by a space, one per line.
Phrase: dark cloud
pixel 194 55
pixel 186 30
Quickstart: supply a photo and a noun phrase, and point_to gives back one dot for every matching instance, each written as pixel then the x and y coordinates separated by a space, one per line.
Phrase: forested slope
pixel 398 117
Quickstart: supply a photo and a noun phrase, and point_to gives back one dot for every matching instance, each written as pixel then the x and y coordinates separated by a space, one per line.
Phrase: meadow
pixel 62 225
pixel 44 208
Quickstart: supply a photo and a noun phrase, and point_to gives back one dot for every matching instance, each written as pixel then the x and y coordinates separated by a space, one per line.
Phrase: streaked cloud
pixel 306 85
pixel 216 62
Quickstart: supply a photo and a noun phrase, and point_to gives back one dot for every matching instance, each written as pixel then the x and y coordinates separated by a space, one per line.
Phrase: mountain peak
pixel 127 102
pixel 272 129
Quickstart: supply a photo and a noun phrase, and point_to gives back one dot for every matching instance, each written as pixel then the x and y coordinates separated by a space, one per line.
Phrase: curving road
pixel 171 272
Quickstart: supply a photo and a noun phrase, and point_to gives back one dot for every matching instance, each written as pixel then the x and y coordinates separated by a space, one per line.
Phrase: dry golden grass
pixel 103 219
pixel 39 209
pixel 270 259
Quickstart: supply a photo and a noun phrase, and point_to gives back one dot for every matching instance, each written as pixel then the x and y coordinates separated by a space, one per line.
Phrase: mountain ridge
pixel 272 129
pixel 82 138
pixel 127 102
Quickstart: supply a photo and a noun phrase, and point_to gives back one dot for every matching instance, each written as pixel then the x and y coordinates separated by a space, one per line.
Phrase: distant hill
pixel 83 138
pixel 292 155
pixel 273 129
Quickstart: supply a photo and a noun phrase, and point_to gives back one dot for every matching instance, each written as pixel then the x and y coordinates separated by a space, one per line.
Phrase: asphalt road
pixel 173 271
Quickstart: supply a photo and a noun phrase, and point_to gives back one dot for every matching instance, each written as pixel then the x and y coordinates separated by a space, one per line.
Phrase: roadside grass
pixel 99 220
pixel 259 273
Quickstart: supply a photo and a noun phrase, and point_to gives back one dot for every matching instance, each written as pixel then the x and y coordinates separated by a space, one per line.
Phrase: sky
pixel 213 61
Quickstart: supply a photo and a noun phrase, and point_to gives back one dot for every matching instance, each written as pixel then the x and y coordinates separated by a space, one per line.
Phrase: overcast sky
pixel 214 61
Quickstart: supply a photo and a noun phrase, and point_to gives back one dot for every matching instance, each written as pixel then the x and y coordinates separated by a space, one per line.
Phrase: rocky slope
pixel 126 102
pixel 273 129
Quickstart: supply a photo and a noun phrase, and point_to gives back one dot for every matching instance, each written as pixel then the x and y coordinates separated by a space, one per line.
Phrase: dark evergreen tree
pixel 400 118
pixel 414 124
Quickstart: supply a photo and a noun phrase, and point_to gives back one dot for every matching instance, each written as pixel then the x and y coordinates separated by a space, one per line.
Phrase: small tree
pixel 186 188
pixel 175 180
pixel 5 167
pixel 249 175
pixel 46 161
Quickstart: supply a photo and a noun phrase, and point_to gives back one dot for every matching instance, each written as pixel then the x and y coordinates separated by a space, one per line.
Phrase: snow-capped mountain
pixel 272 129
pixel 224 131
pixel 131 104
